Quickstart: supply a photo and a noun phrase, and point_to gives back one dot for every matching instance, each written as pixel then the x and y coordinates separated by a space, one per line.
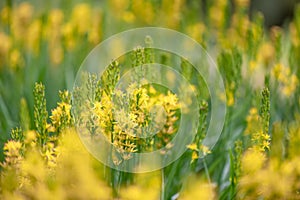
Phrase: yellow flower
pixel 260 141
pixel 12 148
pixel 55 18
pixel 217 13
pixel 266 136
pixel 34 36
pixel 128 17
pixel 294 35
pixel 69 37
pixel 193 147
pixel 170 102
pixel 253 66
pixel 12 151
pixel 21 19
pixel 291 86
pixel 139 99
pixel 50 154
pixel 266 145
pixel 230 98
pixel 288 81
pixel 152 90
pixel 194 156
pixel 56 55
pixel 143 10
pixel 240 27
pixel 5 45
pixel 242 3
pixel 33 166
pixel 253 123
pixel 53 35
pixel 274 180
pixel 196 31
pixel 252 161
pixel 61 115
pixel 266 53
pixel 16 60
pixel 30 137
pixel 196 188
pixel 103 112
pixel 95 33
pixel 253 111
pixel 277 70
pixel 4 15
pixel 81 17
pixel 205 150
pixel 50 128
pixel 118 7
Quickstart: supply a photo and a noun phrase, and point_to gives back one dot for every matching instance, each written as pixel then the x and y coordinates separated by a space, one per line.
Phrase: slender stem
pixel 162 197
pixel 206 170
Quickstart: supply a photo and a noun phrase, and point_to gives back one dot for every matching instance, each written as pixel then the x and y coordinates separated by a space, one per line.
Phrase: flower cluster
pixel 288 82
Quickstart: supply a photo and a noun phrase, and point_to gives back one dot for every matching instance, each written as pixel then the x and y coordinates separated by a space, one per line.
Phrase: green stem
pixel 206 171
pixel 162 197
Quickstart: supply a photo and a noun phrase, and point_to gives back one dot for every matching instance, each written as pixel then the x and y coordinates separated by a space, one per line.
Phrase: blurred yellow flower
pixel 4 47
pixel 55 18
pixel 34 36
pixel 266 53
pixel 143 11
pixel 53 35
pixel 15 59
pixel 230 98
pixel 217 14
pixel 147 187
pixel 205 150
pixel 82 18
pixel 68 32
pixel 253 66
pixel 30 137
pixel 294 34
pixel 21 19
pixel 252 161
pixel 12 148
pixel 128 17
pixel 242 3
pixel 288 81
pixel 196 31
pixel 12 151
pixel 5 14
pixel 95 32
pixel 119 7
pixel 198 189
